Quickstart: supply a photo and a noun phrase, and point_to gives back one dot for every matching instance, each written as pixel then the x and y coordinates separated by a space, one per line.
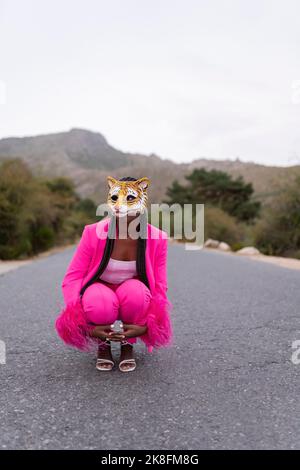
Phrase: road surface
pixel 227 382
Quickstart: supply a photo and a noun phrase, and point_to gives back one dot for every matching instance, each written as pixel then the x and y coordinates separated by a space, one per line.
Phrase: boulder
pixel 248 251
pixel 210 243
pixel 224 246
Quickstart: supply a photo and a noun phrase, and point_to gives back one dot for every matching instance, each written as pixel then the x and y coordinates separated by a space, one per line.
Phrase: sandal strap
pixel 130 362
pixel 105 361
pixel 127 360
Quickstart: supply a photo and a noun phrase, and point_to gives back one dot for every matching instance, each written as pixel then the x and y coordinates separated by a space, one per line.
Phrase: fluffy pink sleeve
pixel 160 331
pixel 71 324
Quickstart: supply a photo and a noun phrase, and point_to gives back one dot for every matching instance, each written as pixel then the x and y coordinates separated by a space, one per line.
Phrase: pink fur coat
pixel 71 325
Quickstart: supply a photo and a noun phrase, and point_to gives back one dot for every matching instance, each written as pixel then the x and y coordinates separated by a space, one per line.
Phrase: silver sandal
pixel 102 361
pixel 127 361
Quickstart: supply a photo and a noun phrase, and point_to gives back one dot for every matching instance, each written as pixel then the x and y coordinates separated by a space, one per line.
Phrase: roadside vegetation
pixel 37 214
pixel 237 216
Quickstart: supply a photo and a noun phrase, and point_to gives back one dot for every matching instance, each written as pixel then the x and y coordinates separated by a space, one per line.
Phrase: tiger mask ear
pixel 143 183
pixel 111 181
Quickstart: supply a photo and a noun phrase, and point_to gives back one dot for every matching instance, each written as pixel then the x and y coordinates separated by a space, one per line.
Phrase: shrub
pixel 278 232
pixel 36 214
pixel 221 226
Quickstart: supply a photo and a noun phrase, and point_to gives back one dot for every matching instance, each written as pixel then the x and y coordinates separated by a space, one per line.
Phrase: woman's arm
pixel 71 324
pixel 77 269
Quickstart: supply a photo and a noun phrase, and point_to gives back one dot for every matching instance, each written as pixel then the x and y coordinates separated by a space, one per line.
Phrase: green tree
pixel 218 189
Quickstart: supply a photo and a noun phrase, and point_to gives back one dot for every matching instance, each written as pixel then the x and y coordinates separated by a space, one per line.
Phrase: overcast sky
pixel 180 78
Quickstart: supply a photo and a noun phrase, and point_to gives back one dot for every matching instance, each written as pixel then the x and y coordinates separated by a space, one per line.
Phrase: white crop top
pixel 118 271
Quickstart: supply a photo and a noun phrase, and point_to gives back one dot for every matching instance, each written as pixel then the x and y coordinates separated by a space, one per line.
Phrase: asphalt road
pixel 228 381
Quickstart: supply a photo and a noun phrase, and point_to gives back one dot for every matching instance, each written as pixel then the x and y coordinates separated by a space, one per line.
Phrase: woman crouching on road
pixel 118 272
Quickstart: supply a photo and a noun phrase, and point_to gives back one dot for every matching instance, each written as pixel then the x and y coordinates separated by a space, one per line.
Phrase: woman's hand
pixel 132 331
pixel 101 332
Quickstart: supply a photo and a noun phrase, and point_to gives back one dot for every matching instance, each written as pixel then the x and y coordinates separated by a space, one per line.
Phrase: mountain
pixel 88 158
pixel 74 149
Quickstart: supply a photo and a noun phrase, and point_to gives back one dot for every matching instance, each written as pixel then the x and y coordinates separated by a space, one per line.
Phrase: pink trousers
pixel 105 303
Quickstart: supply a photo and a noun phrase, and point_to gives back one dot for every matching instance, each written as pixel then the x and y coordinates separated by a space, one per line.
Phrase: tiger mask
pixel 127 198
